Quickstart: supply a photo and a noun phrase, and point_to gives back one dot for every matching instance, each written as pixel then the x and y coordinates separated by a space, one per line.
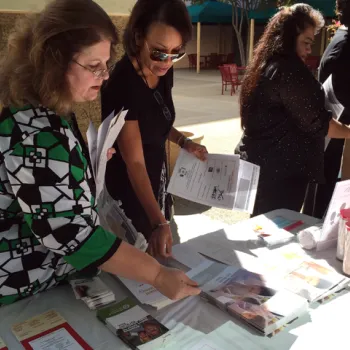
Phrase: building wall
pixel 110 6
pixel 214 39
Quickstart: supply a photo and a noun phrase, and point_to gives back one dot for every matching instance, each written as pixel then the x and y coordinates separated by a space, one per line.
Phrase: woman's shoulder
pixel 18 123
pixel 285 65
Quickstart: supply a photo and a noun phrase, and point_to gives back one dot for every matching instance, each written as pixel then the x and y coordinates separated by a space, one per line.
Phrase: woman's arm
pixel 131 263
pixel 130 146
pixel 181 140
pixel 338 130
pixel 176 136
pixel 66 223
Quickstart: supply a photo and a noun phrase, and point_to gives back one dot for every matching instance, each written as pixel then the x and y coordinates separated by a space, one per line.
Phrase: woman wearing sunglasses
pixel 141 82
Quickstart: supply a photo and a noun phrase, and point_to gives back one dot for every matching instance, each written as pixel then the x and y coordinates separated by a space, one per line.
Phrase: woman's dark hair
pixel 343 11
pixel 145 12
pixel 41 48
pixel 279 38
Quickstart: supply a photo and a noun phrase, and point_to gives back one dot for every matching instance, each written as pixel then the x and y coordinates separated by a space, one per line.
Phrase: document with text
pixel 223 181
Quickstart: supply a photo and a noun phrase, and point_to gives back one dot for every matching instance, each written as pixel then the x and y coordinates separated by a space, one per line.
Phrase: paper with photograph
pixel 222 181
pixel 257 299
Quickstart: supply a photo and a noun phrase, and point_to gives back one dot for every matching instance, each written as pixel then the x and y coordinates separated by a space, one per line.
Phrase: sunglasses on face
pixel 160 56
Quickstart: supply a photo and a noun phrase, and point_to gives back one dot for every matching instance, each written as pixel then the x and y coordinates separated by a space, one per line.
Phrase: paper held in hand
pixel 223 181
pixel 112 217
pixel 332 102
pixel 100 141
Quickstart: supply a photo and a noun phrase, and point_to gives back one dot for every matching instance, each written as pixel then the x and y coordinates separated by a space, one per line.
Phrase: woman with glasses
pixel 154 39
pixel 49 225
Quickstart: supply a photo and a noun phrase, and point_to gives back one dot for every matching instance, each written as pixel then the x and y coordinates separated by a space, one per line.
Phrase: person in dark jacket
pixel 282 111
pixel 336 62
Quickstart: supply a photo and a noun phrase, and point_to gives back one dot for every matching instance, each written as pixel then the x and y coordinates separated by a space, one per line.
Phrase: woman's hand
pixel 161 242
pixel 175 284
pixel 196 149
pixel 110 153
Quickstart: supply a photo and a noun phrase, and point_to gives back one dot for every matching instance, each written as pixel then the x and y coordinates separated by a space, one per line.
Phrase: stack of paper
pixel 146 294
pixel 93 292
pixel 112 217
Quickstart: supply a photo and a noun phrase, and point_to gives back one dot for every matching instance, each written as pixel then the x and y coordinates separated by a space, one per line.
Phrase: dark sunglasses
pixel 163 106
pixel 159 56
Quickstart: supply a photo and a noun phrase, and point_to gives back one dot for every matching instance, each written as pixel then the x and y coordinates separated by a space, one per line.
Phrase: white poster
pixel 222 181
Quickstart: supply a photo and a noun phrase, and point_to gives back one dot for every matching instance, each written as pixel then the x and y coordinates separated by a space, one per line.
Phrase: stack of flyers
pixel 93 292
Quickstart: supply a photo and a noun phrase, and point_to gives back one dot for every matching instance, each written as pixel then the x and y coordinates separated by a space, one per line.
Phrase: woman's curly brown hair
pixel 41 47
pixel 279 38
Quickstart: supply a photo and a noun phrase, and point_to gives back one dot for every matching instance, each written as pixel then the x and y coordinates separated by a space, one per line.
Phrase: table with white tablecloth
pixel 190 314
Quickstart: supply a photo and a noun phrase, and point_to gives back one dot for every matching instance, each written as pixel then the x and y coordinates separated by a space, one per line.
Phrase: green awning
pixel 327 7
pixel 211 11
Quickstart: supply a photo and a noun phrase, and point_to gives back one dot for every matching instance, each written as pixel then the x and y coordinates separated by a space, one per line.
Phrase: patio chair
pixel 227 78
pixel 192 59
pixel 213 61
pixel 235 76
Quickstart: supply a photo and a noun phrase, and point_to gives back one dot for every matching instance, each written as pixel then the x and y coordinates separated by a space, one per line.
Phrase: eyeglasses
pixel 98 73
pixel 159 56
pixel 165 109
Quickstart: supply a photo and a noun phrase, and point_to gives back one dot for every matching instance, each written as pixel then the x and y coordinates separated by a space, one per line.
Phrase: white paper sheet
pixel 59 339
pixel 332 102
pixel 91 135
pixel 222 181
pixel 340 200
pixel 106 142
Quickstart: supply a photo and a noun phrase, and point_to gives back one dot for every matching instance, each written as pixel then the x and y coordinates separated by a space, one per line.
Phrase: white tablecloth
pixel 192 312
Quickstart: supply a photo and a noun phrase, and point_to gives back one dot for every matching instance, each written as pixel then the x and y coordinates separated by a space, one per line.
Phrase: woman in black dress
pixel 141 82
pixel 282 111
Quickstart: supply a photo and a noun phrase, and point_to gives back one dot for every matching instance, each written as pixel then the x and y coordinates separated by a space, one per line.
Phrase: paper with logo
pixel 222 181
pixel 332 103
pixel 134 326
pixel 340 200
pixel 3 345
pixel 48 331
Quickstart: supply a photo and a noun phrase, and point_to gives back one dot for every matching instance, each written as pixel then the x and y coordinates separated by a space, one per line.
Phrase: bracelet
pixel 185 140
pixel 155 228
pixel 179 139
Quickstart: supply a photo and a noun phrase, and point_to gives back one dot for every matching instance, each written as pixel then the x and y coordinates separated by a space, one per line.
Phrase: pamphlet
pixel 48 331
pixel 222 181
pixel 134 326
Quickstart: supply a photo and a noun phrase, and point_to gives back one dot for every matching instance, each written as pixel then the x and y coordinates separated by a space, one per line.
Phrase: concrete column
pixel 198 47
